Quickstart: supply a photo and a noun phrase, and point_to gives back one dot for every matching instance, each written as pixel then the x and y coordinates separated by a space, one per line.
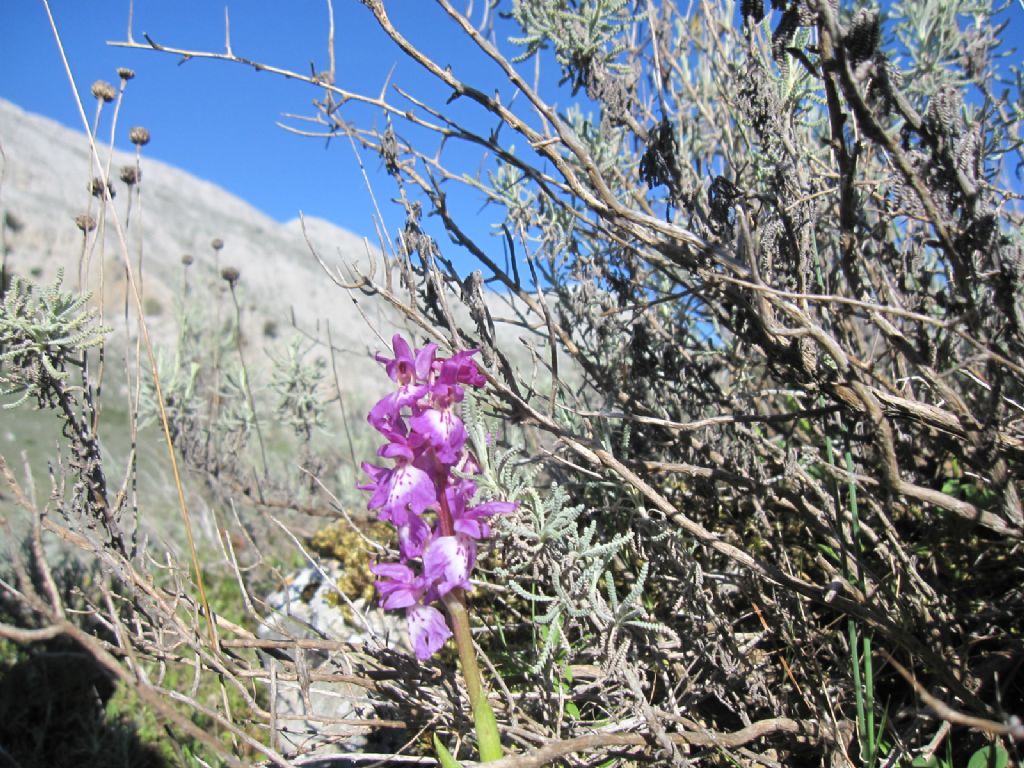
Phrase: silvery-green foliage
pixel 554 232
pixel 178 380
pixel 236 420
pixel 508 188
pixel 620 617
pixel 581 32
pixel 296 380
pixel 942 47
pixel 603 143
pixel 42 332
pixel 552 560
pixel 185 372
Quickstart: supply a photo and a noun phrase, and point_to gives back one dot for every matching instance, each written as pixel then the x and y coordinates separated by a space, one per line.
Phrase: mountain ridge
pixel 45 184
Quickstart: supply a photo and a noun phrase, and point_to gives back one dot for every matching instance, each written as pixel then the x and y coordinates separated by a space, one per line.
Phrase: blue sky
pixel 218 120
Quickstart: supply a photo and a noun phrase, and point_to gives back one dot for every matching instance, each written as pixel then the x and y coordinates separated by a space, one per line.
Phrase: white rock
pixel 306 609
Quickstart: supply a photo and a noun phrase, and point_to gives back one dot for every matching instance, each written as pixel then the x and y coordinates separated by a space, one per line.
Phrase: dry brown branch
pixel 1012 727
pixel 807 731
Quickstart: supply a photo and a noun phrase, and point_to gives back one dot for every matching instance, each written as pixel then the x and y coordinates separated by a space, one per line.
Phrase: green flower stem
pixel 488 739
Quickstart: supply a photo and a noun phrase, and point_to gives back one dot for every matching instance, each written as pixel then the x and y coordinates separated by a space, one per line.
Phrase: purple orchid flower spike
pixel 422 495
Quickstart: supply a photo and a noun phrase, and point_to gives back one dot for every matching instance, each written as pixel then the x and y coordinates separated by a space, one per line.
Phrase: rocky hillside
pixel 46 173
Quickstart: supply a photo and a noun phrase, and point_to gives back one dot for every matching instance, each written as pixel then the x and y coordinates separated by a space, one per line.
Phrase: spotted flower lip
pixel 399 492
pixel 427 630
pixel 425 494
pixel 443 431
pixel 447 561
pixel 399 587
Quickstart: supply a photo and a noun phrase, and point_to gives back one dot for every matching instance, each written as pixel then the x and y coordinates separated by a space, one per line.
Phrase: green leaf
pixel 989 757
pixel 444 756
pixel 488 739
pixel 927 761
pixel 572 710
pixel 825 549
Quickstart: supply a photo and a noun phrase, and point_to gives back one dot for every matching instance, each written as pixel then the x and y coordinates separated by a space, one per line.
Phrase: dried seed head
pixel 12 222
pixel 139 136
pixel 130 174
pixel 862 36
pixel 96 187
pixel 85 222
pixel 216 243
pixel 103 91
pixel 808 354
pixel 187 259
pixel 753 9
pixel 230 274
pixel 125 74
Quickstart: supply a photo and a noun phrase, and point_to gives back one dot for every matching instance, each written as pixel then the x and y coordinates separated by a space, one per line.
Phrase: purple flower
pixel 406 367
pixel 386 415
pixel 473 523
pixel 426 440
pixel 413 537
pixel 406 489
pixel 447 561
pixel 401 588
pixel 427 630
pixel 441 430
pixel 464 368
